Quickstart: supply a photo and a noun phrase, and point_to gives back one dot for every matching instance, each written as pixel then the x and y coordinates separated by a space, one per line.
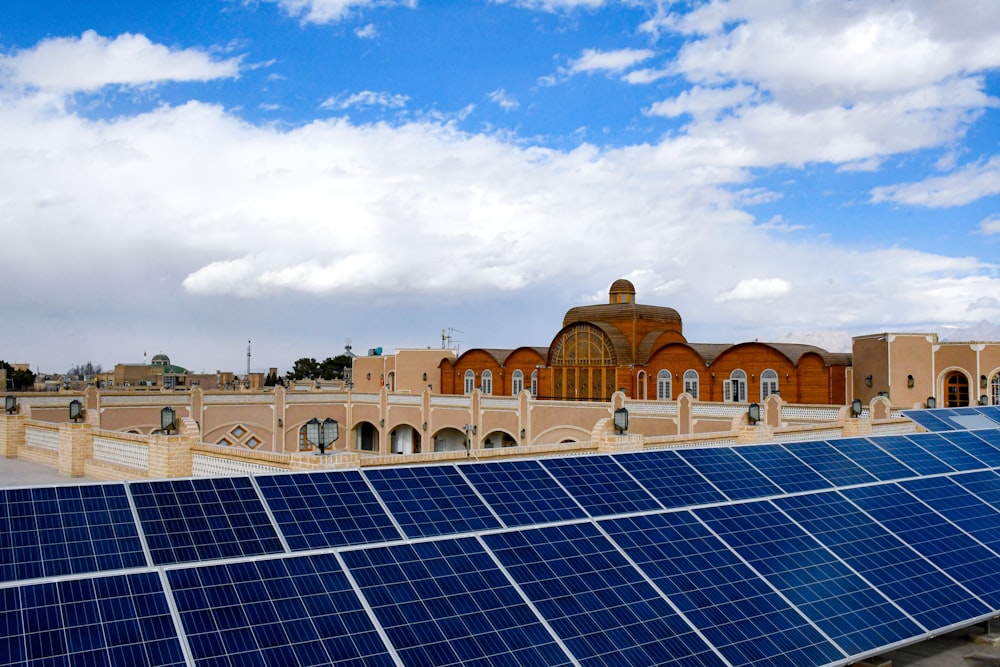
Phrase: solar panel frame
pixel 325 509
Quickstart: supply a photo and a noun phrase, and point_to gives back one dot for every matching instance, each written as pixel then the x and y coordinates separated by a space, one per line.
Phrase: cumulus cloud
pixel 990 225
pixel 366 32
pixel 504 100
pixel 91 61
pixel 756 289
pixel 331 11
pixel 365 98
pixel 593 60
pixel 553 5
pixel 963 186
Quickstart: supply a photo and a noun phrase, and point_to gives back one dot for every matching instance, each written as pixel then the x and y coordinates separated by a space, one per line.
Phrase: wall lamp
pixel 168 420
pixel 75 410
pixel 984 400
pixel 524 434
pixel 621 421
pixel 856 408
pixel 753 413
pixel 323 433
pixel 909 381
pixel 10 404
pixel 868 381
pixel 983 381
pixel 931 403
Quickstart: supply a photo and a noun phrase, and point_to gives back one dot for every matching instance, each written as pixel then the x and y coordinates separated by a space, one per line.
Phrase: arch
pixel 582 344
pixel 534 383
pixel 486 382
pixel 390 380
pixel 994 395
pixel 769 383
pixel 366 437
pixel 516 382
pixel 404 439
pixel 469 381
pixel 956 389
pixel 734 390
pixel 448 439
pixel 664 385
pixel 640 385
pixel 692 383
pixel 498 439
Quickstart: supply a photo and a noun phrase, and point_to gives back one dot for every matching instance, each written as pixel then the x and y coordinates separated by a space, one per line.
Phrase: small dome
pixel 160 360
pixel 622 291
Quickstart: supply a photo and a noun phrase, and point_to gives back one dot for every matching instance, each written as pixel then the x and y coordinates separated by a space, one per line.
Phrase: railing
pixel 123 452
pixel 203 465
pixel 41 435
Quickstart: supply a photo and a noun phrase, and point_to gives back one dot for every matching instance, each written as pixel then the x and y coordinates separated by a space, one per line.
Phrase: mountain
pixel 984 331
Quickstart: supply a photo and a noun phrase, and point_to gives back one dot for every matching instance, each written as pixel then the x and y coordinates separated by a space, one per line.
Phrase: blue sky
pixel 182 177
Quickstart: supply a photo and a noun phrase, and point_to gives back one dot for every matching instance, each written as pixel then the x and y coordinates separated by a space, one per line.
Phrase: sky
pixel 184 177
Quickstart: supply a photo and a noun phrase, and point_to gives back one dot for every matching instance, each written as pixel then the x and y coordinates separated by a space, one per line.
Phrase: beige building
pixel 910 368
pixel 406 371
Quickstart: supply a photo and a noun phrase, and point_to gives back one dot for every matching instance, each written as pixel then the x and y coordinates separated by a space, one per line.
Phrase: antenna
pixel 248 361
pixel 448 340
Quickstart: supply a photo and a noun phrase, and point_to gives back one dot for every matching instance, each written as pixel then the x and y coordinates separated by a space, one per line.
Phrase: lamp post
pixel 856 408
pixel 931 402
pixel 168 420
pixel 621 421
pixel 753 413
pixel 323 434
pixel 75 410
pixel 10 404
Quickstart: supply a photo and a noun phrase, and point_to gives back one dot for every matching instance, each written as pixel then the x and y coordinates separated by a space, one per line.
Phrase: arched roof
pixel 622 286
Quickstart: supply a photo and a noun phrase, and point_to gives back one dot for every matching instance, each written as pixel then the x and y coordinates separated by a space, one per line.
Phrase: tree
pixel 305 368
pixel 20 380
pixel 332 368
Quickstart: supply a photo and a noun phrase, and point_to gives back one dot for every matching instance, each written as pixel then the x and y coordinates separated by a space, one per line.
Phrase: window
pixel 305 444
pixel 391 381
pixel 734 390
pixel 516 383
pixel 956 387
pixel 995 390
pixel 534 384
pixel 691 383
pixel 768 383
pixel 470 381
pixel 487 387
pixel 663 386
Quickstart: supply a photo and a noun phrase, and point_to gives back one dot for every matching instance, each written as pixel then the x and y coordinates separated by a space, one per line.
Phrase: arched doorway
pixel 366 437
pixel 956 390
pixel 404 439
pixel 450 440
pixel 498 439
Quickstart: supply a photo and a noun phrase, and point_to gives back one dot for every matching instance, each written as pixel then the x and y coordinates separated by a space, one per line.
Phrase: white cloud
pixel 90 62
pixel 966 185
pixel 593 60
pixel 502 99
pixel 701 102
pixel 990 225
pixel 756 289
pixel 366 32
pixel 553 5
pixel 331 11
pixel 365 98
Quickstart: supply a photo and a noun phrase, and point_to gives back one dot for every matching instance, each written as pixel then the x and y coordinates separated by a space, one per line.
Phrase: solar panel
pixel 912 455
pixel 108 620
pixel 737 611
pixel 276 611
pixel 783 468
pixel 445 602
pixel 929 420
pixel 959 506
pixel 431 500
pixel 941 542
pixel 522 492
pixel 732 475
pixel 846 608
pixel 600 485
pixel 985 484
pixel 872 459
pixel 932 598
pixel 991 436
pixel 46 532
pixel 669 478
pixel 203 519
pixel 974 446
pixel 954 456
pixel 827 461
pixel 597 602
pixel 326 509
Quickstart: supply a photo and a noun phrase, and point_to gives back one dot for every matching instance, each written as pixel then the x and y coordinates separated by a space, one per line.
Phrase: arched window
pixel 391 381
pixel 691 383
pixel 487 387
pixel 768 383
pixel 640 385
pixel 956 389
pixel 995 390
pixel 516 383
pixel 305 444
pixel 663 386
pixel 470 381
pixel 734 390
pixel 534 384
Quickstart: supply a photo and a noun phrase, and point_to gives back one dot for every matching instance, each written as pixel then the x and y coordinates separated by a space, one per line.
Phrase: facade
pixel 641 351
pixel 910 368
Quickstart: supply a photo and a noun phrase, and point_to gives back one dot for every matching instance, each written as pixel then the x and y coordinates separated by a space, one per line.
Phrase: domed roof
pixel 622 286
pixel 160 360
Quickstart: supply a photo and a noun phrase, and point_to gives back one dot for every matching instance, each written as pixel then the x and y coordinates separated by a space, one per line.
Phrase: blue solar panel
pixel 912 455
pixel 595 600
pixel 923 591
pixel 431 500
pixel 975 446
pixel 783 468
pixel 991 436
pixel 954 456
pixel 827 461
pixel 116 620
pixel 600 485
pixel 835 598
pixel 872 459
pixel 276 611
pixel 732 475
pixel 737 611
pixel 326 509
pixel 985 484
pixel 669 478
pixel 929 420
pixel 522 492
pixel 445 602
pixel 959 506
pixel 203 519
pixel 942 543
pixel 54 531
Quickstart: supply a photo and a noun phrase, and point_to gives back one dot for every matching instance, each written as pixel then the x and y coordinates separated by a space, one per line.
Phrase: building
pixel 641 350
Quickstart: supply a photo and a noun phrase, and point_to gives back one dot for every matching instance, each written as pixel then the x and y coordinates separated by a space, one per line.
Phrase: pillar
pixel 11 434
pixel 76 447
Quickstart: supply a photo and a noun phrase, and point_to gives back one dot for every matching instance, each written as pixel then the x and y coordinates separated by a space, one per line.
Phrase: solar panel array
pixel 808 553
pixel 957 419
